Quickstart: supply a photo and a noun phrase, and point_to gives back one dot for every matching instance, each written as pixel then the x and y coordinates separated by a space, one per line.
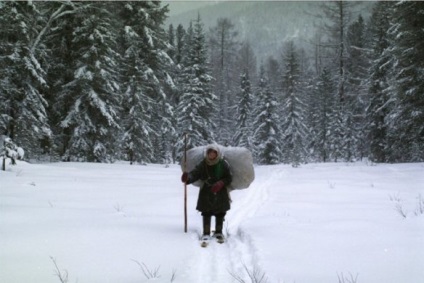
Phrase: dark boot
pixel 207 225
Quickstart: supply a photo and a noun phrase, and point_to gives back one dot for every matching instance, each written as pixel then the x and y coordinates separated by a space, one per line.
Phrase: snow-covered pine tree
pixel 294 130
pixel 175 92
pixel 339 14
pixel 197 104
pixel 357 65
pixel 322 100
pixel 243 133
pixel 379 105
pixel 179 45
pixel 7 84
pixel 171 42
pixel 147 112
pixel 59 40
pixel 23 75
pixel 137 106
pixel 407 117
pixel 160 84
pixel 266 136
pixel 94 90
pixel 246 63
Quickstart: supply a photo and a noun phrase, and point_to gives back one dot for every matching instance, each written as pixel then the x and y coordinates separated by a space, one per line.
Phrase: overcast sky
pixel 177 7
pixel 180 6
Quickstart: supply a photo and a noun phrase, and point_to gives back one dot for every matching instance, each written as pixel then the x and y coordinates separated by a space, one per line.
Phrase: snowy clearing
pixel 332 222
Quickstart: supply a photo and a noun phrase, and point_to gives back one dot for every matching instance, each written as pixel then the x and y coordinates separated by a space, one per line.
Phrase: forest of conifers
pixel 105 81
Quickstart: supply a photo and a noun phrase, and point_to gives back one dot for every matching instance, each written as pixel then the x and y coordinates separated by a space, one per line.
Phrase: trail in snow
pixel 96 219
pixel 223 262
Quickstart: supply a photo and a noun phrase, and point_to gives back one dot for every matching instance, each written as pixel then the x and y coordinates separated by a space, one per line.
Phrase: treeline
pixel 100 81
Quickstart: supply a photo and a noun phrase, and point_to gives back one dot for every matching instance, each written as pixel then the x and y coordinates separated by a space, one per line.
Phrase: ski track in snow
pixel 223 262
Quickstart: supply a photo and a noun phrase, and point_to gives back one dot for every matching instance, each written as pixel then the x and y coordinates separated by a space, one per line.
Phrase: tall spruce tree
pixel 23 63
pixel 244 108
pixel 60 72
pixel 171 41
pixel 94 90
pixel 357 99
pixel 243 133
pixel 321 106
pixel 137 105
pixel 380 72
pixel 179 45
pixel 175 92
pixel 197 102
pixel 267 145
pixel 339 14
pixel 294 130
pixel 148 114
pixel 407 117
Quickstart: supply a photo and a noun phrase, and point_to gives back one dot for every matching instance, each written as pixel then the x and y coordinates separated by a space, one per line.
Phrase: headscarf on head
pixel 218 154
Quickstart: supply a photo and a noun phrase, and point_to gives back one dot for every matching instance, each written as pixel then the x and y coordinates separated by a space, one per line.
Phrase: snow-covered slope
pixel 120 223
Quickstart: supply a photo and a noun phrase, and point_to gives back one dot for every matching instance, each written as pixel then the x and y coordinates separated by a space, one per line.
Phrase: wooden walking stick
pixel 185 183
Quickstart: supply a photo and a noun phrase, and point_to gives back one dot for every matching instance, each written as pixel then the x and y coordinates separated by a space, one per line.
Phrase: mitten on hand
pixel 217 186
pixel 184 177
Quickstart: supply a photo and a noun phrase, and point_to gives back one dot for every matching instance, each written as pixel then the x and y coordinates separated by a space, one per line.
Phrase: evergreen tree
pixel 322 109
pixel 379 105
pixel 146 68
pixel 60 43
pixel 267 146
pixel 243 134
pixel 160 81
pixel 197 102
pixel 294 130
pixel 244 108
pixel 171 41
pixel 407 117
pixel 356 89
pixel 23 75
pixel 137 105
pixel 94 91
pixel 180 34
pixel 339 14
pixel 174 93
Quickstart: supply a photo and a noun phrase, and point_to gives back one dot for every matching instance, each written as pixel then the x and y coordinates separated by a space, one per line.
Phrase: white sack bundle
pixel 239 158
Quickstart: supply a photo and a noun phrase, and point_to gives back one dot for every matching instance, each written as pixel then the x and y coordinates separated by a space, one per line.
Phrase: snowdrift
pixel 239 158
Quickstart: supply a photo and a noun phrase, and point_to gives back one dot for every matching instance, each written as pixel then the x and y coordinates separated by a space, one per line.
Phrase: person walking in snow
pixel 214 199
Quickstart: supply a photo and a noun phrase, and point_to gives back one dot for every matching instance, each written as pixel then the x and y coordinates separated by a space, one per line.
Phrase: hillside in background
pixel 267 25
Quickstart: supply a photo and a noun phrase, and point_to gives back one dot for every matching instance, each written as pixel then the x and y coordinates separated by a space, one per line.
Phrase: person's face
pixel 212 154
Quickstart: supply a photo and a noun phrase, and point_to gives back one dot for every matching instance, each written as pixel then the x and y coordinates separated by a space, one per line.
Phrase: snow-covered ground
pixel 119 223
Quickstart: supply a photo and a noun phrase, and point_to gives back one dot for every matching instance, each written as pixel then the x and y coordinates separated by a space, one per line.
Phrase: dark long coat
pixel 209 202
